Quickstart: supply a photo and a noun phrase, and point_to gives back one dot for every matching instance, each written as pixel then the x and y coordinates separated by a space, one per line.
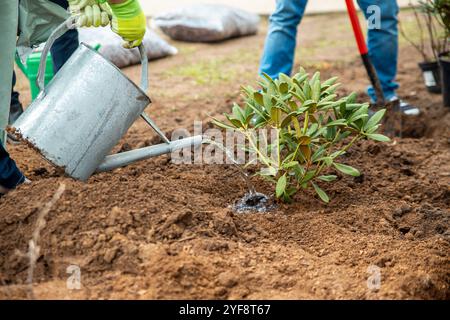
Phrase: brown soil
pixel 156 230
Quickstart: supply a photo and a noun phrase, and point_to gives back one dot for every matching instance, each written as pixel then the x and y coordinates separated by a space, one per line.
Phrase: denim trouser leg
pixel 63 48
pixel 66 45
pixel 278 56
pixel 10 176
pixel 383 44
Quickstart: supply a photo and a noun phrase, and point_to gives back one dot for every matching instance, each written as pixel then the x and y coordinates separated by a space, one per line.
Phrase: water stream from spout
pixel 230 156
pixel 251 201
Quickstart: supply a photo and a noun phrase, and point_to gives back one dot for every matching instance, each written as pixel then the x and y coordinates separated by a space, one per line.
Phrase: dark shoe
pixel 3 190
pixel 15 111
pixel 398 104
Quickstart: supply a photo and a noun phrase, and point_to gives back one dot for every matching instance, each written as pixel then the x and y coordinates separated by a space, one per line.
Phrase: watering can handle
pixel 70 24
pixel 67 25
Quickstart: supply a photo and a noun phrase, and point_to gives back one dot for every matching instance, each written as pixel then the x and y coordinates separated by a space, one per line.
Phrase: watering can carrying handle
pixel 70 24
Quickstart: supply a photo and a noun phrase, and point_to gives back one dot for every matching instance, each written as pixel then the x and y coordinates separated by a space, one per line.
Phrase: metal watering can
pixel 85 110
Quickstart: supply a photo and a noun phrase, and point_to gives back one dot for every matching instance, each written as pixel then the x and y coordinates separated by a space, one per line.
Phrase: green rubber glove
pixel 129 22
pixel 89 13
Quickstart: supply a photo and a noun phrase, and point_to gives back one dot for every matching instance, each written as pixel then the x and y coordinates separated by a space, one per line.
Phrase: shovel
pixel 85 110
pixel 393 117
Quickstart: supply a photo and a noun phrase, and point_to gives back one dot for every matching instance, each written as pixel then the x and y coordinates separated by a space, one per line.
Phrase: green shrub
pixel 314 128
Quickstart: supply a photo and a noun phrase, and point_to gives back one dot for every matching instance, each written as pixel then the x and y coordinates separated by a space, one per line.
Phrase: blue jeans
pixel 10 176
pixel 65 46
pixel 278 56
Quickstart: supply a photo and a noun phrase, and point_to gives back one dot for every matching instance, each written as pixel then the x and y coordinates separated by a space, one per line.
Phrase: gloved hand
pixel 90 13
pixel 129 22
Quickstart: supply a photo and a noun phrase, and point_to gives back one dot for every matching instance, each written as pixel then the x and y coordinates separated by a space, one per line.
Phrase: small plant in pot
pixel 441 10
pixel 313 129
pixel 433 39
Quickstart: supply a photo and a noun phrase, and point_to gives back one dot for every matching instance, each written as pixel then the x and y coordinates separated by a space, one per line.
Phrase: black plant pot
pixel 444 61
pixel 431 76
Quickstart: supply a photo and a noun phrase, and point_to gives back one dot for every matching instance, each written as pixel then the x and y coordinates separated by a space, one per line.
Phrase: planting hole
pixel 253 202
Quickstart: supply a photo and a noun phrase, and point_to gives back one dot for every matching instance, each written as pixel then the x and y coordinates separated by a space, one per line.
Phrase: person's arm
pixel 128 21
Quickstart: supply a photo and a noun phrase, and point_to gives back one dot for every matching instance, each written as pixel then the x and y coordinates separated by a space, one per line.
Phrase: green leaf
pixel 286 121
pixel 268 78
pixel 315 78
pixel 316 89
pixel 299 79
pixel 290 164
pixel 298 93
pixel 378 137
pixel 281 186
pixel 255 109
pixel 342 108
pixel 275 116
pixel 308 103
pixel 330 82
pixel 352 98
pixel 308 176
pixel 235 122
pixel 337 154
pixel 339 122
pixel 304 140
pixel 271 171
pixel 259 122
pixel 318 153
pixel 222 125
pixel 361 112
pixel 285 78
pixel 328 178
pixel 307 90
pixel 267 99
pixel 238 113
pixel 328 99
pixel 327 160
pixel 331 89
pixel 258 97
pixel 375 119
pixel 321 193
pixel 284 88
pixel 373 129
pixel 346 169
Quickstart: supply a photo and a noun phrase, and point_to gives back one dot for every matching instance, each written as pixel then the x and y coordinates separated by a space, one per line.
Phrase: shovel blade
pixel 393 120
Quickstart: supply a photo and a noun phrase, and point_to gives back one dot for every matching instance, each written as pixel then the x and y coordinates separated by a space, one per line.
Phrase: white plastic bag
pixel 207 23
pixel 111 46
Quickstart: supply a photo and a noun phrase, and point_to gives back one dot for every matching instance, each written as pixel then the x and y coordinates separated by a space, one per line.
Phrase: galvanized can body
pixel 82 114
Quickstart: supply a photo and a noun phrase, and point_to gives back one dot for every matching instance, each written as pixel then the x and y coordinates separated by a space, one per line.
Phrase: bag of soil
pixel 111 46
pixel 207 23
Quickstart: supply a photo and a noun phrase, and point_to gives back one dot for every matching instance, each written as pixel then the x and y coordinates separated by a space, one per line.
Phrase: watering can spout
pixel 125 158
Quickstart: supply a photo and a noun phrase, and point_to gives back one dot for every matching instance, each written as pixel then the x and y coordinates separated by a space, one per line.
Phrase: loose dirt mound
pixel 160 230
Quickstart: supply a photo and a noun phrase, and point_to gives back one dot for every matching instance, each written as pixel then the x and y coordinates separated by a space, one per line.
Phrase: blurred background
pixel 152 7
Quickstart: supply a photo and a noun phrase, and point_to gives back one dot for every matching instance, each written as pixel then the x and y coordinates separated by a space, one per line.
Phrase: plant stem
pixel 254 147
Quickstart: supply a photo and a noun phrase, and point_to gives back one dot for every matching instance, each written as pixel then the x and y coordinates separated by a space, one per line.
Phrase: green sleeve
pixel 8 36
